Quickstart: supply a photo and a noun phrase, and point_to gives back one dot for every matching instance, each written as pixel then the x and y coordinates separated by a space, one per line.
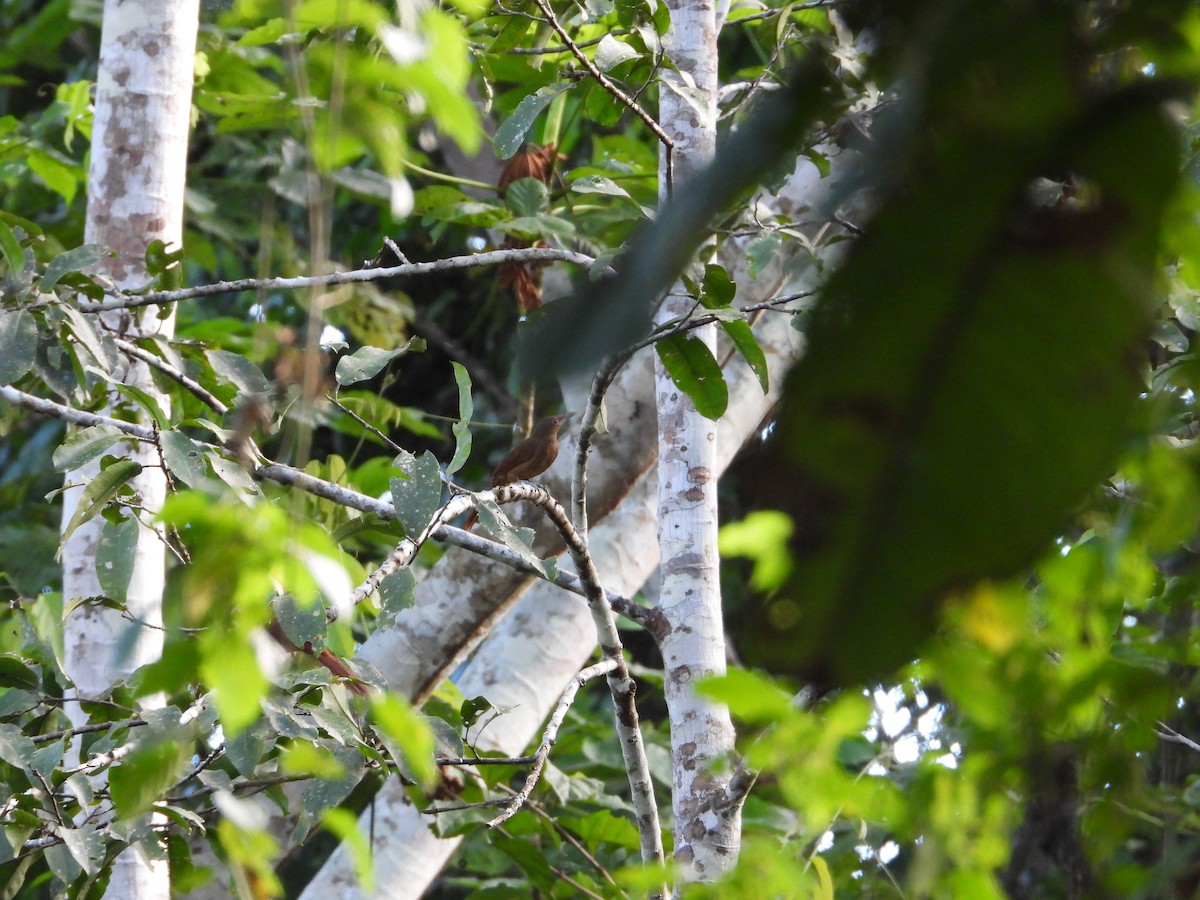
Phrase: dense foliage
pixel 986 462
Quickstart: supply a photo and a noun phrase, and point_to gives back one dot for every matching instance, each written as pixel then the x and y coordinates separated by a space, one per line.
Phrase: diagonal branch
pixel 603 80
pixel 550 736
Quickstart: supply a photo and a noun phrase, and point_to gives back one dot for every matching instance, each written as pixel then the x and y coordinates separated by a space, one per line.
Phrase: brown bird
pixel 529 458
pixel 530 161
pixel 325 658
pixel 525 279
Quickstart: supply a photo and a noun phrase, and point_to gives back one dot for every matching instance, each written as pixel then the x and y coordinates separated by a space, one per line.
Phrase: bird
pixel 325 658
pixel 525 279
pixel 528 459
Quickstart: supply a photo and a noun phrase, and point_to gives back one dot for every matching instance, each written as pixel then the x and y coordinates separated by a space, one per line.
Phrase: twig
pixel 604 378
pixel 131 349
pixel 490 258
pixel 539 51
pixel 485 760
pixel 773 13
pixel 261 784
pixel 387 441
pixel 51 736
pixel 70 414
pixel 538 810
pixel 605 82
pixel 460 807
pixel 550 736
pixel 1167 733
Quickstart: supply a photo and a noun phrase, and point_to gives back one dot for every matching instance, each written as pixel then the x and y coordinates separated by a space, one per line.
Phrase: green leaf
pixel 695 371
pixel 100 490
pixel 184 458
pixel 761 252
pixel 750 696
pixel 746 343
pixel 526 197
pixel 519 540
pixel 87 846
pixel 994 387
pixel 301 624
pixel 605 825
pixel 511 134
pixel 598 184
pixel 229 667
pixel 718 288
pixel 14 673
pixel 59 177
pixel 418 496
pixel 462 428
pixel 18 344
pixel 84 445
pixel 75 260
pixel 98 343
pixel 238 371
pixel 16 748
pixel 140 779
pixel 10 248
pixel 115 556
pixel 396 595
pixel 406 729
pixel 612 52
pixel 367 362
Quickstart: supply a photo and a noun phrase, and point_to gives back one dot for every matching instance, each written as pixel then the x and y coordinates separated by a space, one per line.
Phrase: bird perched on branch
pixel 528 459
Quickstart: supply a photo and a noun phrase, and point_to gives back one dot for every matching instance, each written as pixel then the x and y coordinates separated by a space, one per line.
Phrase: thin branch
pixel 774 13
pixel 1167 733
pixel 539 51
pixel 52 736
pixel 605 82
pixel 485 760
pixel 490 258
pixel 261 784
pixel 538 810
pixel 460 807
pixel 70 414
pixel 550 736
pixel 131 349
pixel 387 441
pixel 608 372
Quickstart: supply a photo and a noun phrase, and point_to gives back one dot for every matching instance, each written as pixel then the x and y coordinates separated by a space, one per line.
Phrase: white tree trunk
pixel 539 646
pixel 135 196
pixel 707 818
pixel 524 665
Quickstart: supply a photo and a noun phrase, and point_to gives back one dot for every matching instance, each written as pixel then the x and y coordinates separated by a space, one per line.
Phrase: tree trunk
pixel 527 662
pixel 135 196
pixel 539 646
pixel 707 815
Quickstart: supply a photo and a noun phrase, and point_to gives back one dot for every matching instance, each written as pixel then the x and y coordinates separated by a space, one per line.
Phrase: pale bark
pixel 135 196
pixel 707 815
pixel 546 638
pixel 548 635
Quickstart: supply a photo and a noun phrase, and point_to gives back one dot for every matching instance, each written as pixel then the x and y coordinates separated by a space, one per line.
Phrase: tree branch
pixel 490 258
pixel 550 736
pixel 603 80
